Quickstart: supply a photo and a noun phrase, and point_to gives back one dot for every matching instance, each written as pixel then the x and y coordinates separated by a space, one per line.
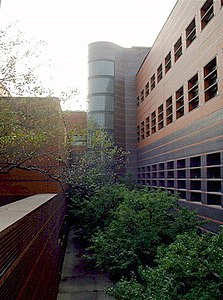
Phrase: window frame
pixel 206 11
pixel 179 97
pixel 147 89
pixel 207 78
pixel 153 82
pixel 193 92
pixel 178 50
pixel 169 110
pixel 168 63
pixel 191 32
pixel 159 72
pixel 153 122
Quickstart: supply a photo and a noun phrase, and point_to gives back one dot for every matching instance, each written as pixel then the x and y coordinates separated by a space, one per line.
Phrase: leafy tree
pixel 29 126
pixel 188 269
pixel 96 212
pixel 28 130
pixel 98 164
pixel 142 222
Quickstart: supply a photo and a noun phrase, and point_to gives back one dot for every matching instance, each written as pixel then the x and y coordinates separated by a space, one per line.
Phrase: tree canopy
pixel 32 134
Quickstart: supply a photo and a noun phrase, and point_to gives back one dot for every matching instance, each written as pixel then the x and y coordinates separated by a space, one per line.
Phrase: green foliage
pixel 142 222
pixel 188 269
pixel 27 134
pixel 95 212
pixel 99 163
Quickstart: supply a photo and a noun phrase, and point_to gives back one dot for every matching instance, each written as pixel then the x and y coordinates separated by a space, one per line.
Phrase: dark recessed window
pixel 159 73
pixel 138 133
pixel 210 80
pixel 181 184
pixel 137 101
pixel 179 103
pixel 213 159
pixel 153 82
pixel 169 111
pixel 167 62
pixel 193 92
pixel 142 131
pixel 142 96
pixel 191 33
pixel 147 126
pixel 153 122
pixel 160 117
pixel 147 89
pixel 178 49
pixel 207 13
pixel 195 161
pixel 170 165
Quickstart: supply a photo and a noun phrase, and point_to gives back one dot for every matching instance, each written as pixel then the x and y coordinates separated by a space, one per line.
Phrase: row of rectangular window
pixel 201 174
pixel 206 12
pixel 164 115
pixel 210 159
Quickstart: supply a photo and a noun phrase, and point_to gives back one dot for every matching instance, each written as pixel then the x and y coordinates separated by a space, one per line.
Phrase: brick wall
pixel 31 247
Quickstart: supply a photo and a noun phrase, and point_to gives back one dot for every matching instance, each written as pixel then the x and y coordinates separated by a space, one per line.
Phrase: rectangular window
pixel 195 161
pixel 178 49
pixel 191 33
pixel 147 89
pixel 167 62
pixel 207 13
pixel 142 96
pixel 193 92
pixel 142 131
pixel 213 159
pixel 147 126
pixel 160 117
pixel 138 133
pixel 169 111
pixel 153 82
pixel 179 103
pixel 159 73
pixel 210 80
pixel 138 101
pixel 153 122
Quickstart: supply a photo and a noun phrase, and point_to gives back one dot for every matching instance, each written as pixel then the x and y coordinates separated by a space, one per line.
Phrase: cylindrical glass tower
pixel 101 92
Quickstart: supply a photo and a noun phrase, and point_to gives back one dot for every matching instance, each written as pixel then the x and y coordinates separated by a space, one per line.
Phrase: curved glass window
pixel 101 85
pixel 99 118
pixel 109 121
pixel 104 120
pixel 101 102
pixel 101 67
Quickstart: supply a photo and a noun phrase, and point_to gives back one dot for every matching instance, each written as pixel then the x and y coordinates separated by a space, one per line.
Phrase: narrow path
pixel 78 280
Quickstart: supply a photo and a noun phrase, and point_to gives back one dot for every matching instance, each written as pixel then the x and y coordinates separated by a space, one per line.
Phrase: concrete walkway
pixel 78 280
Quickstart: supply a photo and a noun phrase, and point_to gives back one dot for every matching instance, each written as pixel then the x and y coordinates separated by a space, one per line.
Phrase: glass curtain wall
pixel 101 93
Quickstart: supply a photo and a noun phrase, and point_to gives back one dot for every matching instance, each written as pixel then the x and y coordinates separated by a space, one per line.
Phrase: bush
pixel 93 213
pixel 188 269
pixel 141 222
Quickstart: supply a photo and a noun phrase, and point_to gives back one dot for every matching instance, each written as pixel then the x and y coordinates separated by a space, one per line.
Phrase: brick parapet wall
pixel 31 247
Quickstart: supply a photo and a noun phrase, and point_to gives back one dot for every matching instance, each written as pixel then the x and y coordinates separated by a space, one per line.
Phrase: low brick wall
pixel 31 247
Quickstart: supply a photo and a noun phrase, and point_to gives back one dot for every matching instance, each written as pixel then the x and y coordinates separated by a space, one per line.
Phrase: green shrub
pixel 94 213
pixel 142 222
pixel 191 268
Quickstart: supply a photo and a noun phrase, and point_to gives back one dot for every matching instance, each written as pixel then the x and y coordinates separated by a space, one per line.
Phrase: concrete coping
pixel 11 213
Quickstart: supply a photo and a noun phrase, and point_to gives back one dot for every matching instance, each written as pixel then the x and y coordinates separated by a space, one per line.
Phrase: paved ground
pixel 78 280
